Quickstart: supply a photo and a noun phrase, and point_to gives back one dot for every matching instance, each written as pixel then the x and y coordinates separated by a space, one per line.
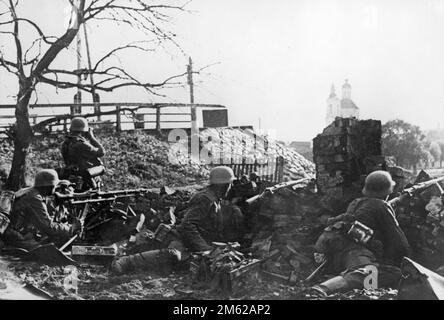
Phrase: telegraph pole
pixel 191 84
pixel 95 97
pixel 194 127
pixel 78 96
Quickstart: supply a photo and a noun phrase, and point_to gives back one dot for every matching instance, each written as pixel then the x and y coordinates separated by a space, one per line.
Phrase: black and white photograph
pixel 222 156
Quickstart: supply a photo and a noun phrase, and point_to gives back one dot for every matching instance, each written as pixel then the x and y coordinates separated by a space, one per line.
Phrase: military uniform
pixel 79 155
pixel 31 223
pixel 385 249
pixel 209 219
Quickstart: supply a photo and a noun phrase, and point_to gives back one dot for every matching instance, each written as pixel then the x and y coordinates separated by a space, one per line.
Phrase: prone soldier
pixel 366 237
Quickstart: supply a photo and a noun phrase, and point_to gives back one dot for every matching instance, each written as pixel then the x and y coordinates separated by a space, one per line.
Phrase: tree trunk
pixel 22 138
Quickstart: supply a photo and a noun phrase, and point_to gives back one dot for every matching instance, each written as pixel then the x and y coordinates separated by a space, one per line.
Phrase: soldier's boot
pixel 333 285
pixel 156 260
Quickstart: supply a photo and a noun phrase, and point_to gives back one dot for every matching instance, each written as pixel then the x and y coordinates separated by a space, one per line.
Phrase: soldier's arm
pixel 96 144
pixel 378 215
pixel 189 227
pixel 43 221
pixel 89 151
pixel 396 244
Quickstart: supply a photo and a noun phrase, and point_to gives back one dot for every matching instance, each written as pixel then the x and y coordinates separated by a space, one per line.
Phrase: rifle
pixel 275 188
pixel 317 271
pixel 406 193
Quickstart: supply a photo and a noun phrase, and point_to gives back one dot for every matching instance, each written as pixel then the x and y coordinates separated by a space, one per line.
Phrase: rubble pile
pixel 245 144
pixel 422 219
pixel 224 268
pixel 346 151
pixel 135 159
pixel 132 160
pixel 291 221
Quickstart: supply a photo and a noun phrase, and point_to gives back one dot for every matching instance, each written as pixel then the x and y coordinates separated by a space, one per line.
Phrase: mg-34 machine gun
pixel 98 209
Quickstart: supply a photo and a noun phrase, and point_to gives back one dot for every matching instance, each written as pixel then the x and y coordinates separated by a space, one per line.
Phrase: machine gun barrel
pixel 408 192
pixel 99 196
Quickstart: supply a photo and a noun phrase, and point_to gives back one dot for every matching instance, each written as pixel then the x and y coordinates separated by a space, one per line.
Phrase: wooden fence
pixel 139 112
pixel 272 171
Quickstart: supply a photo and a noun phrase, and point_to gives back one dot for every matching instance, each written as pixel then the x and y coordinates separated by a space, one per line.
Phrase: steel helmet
pixel 378 184
pixel 46 178
pixel 221 175
pixel 79 124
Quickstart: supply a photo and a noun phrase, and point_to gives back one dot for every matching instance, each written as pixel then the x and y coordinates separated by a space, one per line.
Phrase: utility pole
pixel 191 84
pixel 194 127
pixel 95 97
pixel 78 96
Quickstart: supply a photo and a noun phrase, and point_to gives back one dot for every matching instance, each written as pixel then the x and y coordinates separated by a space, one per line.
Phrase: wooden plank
pixel 114 104
pixel 118 119
pixel 158 119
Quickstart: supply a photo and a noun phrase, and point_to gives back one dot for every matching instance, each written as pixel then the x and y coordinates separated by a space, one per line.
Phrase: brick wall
pixel 344 153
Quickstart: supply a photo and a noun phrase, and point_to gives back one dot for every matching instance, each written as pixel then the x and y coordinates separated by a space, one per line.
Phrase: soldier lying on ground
pixel 208 218
pixel 358 257
pixel 31 224
pixel 81 152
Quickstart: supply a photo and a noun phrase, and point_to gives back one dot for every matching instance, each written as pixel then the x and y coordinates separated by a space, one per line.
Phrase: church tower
pixel 346 90
pixel 333 106
pixel 348 108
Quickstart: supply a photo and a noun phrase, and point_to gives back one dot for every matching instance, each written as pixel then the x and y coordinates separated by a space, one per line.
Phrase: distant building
pixel 344 108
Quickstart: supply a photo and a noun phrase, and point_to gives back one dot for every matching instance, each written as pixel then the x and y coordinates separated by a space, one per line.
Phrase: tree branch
pixel 60 44
pixel 17 40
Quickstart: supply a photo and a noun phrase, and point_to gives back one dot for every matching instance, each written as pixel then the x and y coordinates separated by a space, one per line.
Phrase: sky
pixel 273 62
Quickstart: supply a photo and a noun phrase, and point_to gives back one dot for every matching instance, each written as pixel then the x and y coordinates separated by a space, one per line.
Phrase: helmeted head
pixel 221 175
pixel 254 176
pixel 378 184
pixel 46 178
pixel 244 179
pixel 79 124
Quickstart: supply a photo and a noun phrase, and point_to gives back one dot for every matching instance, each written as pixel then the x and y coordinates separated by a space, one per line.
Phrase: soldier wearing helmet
pixel 368 234
pixel 31 224
pixel 204 221
pixel 81 152
pixel 208 218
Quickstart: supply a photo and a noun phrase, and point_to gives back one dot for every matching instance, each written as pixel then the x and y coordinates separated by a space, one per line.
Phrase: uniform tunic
pixel 31 222
pixel 208 219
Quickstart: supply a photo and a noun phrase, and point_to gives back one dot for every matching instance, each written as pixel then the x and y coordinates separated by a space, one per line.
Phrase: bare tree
pixel 32 64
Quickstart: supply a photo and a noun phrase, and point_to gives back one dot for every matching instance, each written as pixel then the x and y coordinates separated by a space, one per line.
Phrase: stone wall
pixel 344 153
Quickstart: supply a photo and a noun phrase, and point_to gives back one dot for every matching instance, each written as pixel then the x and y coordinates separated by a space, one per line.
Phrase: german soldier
pixel 366 238
pixel 81 152
pixel 31 224
pixel 208 218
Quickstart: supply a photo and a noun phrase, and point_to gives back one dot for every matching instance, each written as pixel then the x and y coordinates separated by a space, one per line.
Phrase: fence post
pixel 118 119
pixel 158 119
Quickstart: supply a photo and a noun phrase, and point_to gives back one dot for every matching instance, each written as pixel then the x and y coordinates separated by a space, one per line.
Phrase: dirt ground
pixel 95 282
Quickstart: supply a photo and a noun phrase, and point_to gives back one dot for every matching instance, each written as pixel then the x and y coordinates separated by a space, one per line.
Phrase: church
pixel 344 108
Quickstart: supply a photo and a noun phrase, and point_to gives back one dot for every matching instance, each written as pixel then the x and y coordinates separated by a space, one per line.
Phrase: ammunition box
pixel 94 254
